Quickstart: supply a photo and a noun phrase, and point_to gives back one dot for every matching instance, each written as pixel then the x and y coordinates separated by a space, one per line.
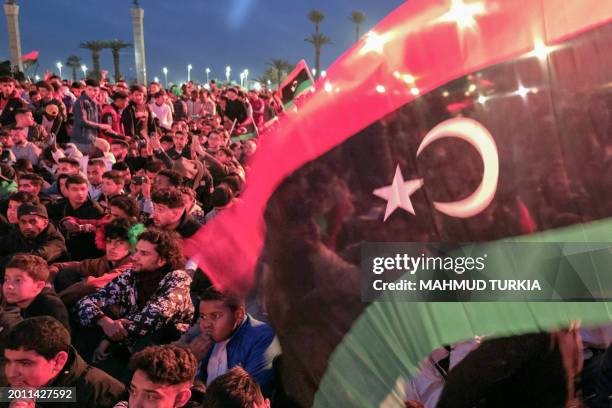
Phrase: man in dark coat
pixel 34 236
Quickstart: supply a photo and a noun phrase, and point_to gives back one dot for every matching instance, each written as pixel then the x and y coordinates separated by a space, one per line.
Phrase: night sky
pixel 213 33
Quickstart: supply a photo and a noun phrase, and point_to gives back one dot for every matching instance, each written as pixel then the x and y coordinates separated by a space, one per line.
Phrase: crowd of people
pixel 99 185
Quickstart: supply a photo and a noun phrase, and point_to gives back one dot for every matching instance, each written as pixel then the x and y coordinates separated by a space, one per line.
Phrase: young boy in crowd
pixel 229 337
pixel 24 286
pixel 235 389
pixel 38 354
pixel 112 186
pixel 163 378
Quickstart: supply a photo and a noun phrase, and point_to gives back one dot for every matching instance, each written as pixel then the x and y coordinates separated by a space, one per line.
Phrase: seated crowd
pixel 99 186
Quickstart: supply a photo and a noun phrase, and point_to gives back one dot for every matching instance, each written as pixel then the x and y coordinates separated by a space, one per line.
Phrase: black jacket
pixel 49 244
pixel 7 116
pixel 236 110
pixel 80 246
pixel 94 388
pixel 133 125
pixel 521 371
pixel 47 303
pixel 187 227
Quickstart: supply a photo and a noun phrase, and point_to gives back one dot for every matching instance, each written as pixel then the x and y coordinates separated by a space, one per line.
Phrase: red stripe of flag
pixel 352 96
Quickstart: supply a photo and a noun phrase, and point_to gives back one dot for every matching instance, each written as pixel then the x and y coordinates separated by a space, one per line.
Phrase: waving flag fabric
pixel 297 82
pixel 490 119
pixel 32 56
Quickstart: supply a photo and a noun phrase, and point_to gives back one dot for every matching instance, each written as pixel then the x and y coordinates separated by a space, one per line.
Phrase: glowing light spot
pixel 482 99
pixel 522 91
pixel 415 91
pixel 472 88
pixel 463 14
pixel 380 89
pixel 313 89
pixel 374 42
pixel 540 50
pixel 397 74
pixel 409 79
pixel 445 94
pixel 328 87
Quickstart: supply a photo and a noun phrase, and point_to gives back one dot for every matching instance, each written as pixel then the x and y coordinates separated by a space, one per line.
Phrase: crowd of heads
pixel 100 185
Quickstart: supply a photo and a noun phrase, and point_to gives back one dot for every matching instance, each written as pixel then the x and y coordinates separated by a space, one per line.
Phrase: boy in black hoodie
pixel 24 286
pixel 38 354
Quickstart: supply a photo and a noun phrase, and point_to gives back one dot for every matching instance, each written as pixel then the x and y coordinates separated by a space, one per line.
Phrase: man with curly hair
pixel 163 378
pixel 150 304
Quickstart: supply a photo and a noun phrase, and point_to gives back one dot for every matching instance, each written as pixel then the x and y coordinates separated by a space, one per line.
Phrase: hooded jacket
pixel 93 387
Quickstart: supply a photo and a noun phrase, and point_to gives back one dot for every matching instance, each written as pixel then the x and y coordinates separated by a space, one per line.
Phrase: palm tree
pixel 279 65
pixel 357 17
pixel 318 41
pixel 116 46
pixel 95 47
pixel 74 63
pixel 316 17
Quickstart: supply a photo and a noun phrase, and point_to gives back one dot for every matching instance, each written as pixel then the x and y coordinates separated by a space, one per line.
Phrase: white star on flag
pixel 398 193
pixel 375 42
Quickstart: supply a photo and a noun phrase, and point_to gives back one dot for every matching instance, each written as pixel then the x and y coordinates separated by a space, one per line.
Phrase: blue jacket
pixel 253 348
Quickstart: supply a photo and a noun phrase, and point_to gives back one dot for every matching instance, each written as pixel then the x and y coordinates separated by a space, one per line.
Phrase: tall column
pixel 139 49
pixel 11 10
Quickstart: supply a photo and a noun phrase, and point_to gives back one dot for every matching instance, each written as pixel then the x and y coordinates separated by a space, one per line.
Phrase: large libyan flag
pixel 532 76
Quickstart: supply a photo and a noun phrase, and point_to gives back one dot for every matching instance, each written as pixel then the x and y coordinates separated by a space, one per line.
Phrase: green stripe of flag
pixel 307 84
pixel 385 345
pixel 246 136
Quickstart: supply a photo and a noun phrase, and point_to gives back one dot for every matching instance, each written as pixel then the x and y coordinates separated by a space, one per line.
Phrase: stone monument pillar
pixel 139 48
pixel 11 10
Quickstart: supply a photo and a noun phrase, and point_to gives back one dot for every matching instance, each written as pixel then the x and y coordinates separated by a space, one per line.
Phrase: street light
pixel 242 79
pixel 189 67
pixel 84 69
pixel 228 72
pixel 37 78
pixel 246 77
pixel 156 79
pixel 165 71
pixel 207 74
pixel 59 67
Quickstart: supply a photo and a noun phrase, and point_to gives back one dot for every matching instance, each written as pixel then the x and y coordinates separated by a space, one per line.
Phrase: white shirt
pixel 217 363
pixel 163 113
pixel 95 191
